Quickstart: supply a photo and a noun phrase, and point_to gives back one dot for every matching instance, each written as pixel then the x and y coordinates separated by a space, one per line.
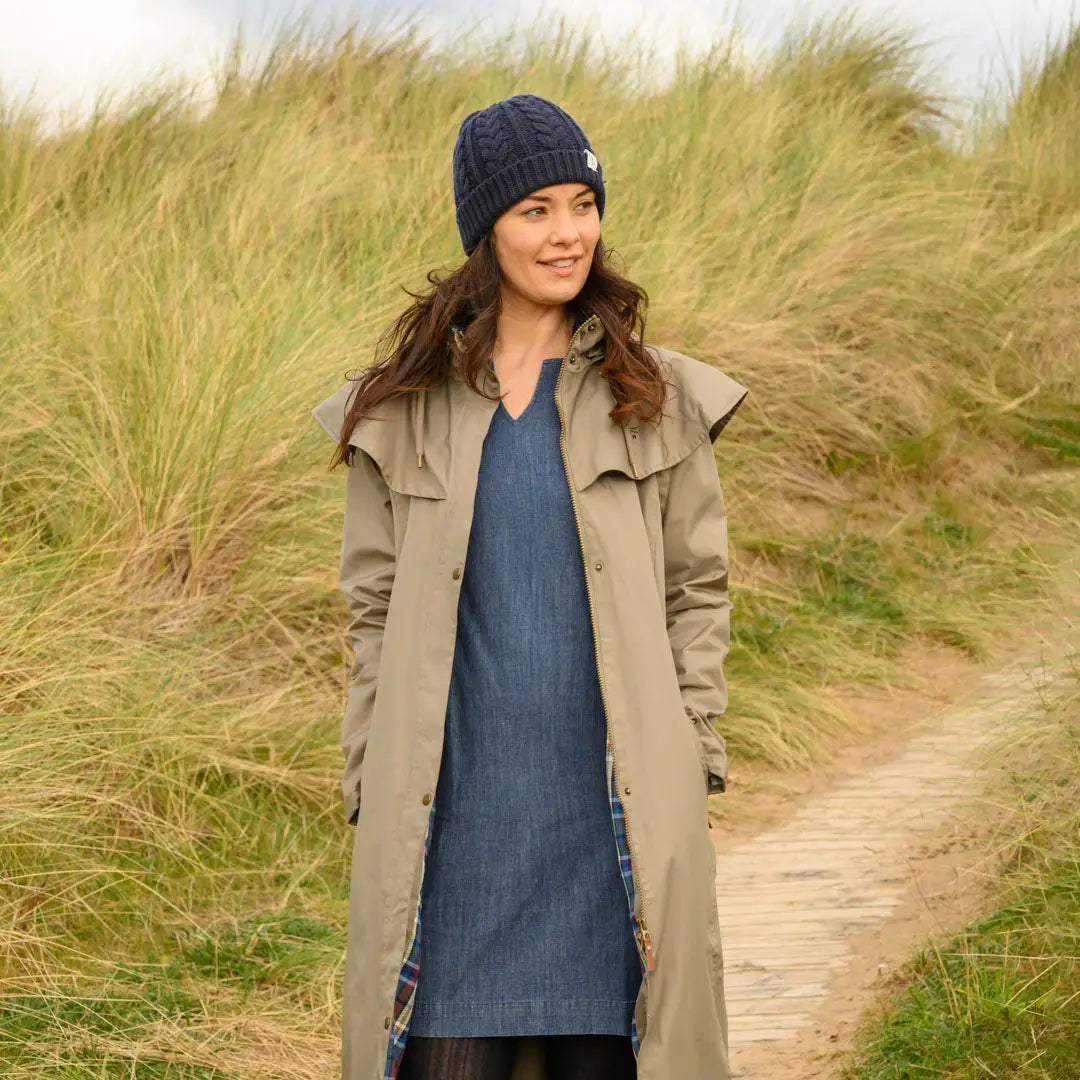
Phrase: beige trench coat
pixel 654 542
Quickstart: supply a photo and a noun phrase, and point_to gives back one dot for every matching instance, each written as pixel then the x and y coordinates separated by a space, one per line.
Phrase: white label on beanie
pixel 590 160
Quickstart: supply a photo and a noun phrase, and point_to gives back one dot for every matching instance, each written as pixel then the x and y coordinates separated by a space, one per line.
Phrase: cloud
pixel 63 53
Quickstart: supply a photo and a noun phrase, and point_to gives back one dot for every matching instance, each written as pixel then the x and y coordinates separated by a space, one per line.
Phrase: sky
pixel 66 52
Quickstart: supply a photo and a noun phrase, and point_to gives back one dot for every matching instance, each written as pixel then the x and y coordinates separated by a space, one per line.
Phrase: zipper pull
pixel 646 944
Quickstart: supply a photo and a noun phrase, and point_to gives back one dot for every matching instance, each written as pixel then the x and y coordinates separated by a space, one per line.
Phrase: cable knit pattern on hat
pixel 508 150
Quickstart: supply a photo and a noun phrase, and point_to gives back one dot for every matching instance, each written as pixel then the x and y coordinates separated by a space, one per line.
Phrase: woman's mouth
pixel 561 267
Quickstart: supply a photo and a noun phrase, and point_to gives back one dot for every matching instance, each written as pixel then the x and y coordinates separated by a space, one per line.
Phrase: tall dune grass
pixel 180 284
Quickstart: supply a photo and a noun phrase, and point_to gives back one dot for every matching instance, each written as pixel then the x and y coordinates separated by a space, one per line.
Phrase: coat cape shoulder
pixel 409 440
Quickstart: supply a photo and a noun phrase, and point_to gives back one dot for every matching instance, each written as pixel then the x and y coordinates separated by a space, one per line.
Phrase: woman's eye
pixel 587 203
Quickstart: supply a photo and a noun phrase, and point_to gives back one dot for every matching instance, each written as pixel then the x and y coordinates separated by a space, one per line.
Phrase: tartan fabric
pixel 624 865
pixel 411 967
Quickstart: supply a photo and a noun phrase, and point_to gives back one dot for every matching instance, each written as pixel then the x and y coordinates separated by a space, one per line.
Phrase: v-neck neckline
pixel 529 404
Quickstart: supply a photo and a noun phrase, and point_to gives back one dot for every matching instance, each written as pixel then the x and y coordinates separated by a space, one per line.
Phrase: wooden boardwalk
pixel 791 899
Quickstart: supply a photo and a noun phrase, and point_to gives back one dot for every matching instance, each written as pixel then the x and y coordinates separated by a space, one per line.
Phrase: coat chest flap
pixel 410 438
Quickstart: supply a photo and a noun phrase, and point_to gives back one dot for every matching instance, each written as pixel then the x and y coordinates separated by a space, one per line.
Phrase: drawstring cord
pixel 419 399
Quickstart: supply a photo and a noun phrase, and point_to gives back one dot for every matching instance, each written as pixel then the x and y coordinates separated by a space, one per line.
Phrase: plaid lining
pixel 407 981
pixel 411 967
pixel 619 819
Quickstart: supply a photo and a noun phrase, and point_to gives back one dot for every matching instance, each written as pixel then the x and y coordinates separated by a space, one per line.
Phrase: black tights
pixel 566 1057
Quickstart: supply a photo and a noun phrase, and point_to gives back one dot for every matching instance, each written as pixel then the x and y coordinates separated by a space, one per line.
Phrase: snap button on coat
pixel 654 505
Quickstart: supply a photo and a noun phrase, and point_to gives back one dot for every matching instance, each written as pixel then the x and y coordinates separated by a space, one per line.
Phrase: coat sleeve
pixel 696 598
pixel 696 561
pixel 366 578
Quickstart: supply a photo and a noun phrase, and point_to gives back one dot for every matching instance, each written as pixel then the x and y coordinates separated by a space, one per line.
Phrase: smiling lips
pixel 562 267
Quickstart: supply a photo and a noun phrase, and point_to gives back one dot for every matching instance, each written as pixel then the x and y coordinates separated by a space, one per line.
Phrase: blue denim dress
pixel 526 926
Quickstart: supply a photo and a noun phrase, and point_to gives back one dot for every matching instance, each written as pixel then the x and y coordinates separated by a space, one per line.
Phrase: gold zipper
pixel 644 938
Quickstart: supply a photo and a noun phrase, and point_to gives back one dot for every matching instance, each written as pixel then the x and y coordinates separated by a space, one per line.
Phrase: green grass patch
pixel 66 1036
pixel 1059 434
pixel 129 999
pixel 254 952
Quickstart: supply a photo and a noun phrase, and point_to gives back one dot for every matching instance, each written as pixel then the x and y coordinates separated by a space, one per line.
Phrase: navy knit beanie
pixel 510 149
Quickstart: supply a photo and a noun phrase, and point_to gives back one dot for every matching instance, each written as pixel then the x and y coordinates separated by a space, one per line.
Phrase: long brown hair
pixel 412 354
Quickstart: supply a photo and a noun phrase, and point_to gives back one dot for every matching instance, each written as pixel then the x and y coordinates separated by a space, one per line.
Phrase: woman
pixel 534 558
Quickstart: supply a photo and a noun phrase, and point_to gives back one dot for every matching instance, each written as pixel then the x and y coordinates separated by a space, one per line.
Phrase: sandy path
pixel 815 910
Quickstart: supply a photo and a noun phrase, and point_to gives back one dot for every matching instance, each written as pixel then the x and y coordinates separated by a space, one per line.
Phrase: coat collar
pixel 585 348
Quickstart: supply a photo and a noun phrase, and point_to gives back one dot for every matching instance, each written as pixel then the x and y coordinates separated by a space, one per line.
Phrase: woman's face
pixel 548 227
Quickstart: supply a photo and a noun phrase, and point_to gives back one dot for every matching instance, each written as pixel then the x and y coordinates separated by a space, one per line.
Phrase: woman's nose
pixel 563 227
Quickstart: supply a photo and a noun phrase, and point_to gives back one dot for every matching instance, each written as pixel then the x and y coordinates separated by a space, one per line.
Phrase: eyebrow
pixel 547 198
